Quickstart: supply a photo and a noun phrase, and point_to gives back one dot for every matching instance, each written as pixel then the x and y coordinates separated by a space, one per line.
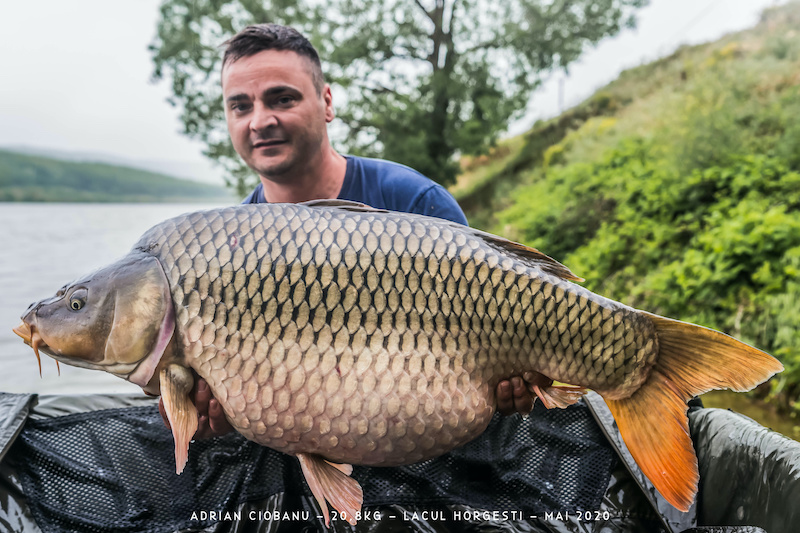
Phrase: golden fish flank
pixel 352 335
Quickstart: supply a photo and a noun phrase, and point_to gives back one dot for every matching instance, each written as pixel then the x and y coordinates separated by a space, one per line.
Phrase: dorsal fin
pixel 342 204
pixel 529 256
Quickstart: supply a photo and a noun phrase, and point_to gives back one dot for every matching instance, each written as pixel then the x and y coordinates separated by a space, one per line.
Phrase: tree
pixel 422 80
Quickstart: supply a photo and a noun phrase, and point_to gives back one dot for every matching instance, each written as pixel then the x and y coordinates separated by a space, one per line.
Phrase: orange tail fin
pixel 653 423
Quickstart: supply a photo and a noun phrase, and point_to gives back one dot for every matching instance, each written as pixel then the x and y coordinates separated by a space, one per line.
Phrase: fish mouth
pixel 32 338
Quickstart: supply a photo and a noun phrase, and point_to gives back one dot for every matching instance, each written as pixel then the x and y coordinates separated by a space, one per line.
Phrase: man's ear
pixel 327 97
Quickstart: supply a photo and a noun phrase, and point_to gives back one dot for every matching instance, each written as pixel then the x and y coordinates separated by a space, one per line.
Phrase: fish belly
pixel 364 410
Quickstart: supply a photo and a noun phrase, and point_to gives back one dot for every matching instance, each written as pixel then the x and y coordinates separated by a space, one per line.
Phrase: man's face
pixel 276 119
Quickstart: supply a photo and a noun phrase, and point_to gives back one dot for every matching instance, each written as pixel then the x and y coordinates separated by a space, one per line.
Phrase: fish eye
pixel 78 299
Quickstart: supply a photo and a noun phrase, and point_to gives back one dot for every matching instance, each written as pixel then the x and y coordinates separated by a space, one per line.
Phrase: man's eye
pixel 285 100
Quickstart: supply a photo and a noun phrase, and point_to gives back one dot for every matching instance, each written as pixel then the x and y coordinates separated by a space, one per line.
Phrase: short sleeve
pixel 437 202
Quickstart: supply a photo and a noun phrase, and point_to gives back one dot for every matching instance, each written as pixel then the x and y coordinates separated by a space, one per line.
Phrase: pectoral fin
pixel 330 483
pixel 559 396
pixel 552 396
pixel 176 384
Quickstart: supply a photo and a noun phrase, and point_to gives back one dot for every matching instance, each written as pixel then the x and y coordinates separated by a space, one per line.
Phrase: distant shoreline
pixel 40 179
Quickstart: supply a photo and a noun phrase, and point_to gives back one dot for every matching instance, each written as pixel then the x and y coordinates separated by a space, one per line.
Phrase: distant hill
pixel 35 178
pixel 202 171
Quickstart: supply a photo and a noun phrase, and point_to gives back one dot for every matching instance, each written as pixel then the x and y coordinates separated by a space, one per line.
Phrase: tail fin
pixel 653 423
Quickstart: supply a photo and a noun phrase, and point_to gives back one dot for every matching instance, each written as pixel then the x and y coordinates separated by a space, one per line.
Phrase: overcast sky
pixel 76 74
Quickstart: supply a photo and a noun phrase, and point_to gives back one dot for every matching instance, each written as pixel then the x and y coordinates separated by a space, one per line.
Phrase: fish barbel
pixel 346 335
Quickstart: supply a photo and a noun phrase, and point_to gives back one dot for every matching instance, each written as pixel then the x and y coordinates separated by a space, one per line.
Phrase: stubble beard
pixel 279 172
pixel 296 165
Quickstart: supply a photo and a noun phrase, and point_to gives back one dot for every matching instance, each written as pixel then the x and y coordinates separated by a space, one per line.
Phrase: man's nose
pixel 263 118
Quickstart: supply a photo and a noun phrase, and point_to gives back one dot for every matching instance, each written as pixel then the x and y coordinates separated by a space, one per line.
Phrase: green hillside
pixel 32 178
pixel 675 189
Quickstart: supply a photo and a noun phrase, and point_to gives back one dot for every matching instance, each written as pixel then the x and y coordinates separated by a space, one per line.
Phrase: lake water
pixel 42 247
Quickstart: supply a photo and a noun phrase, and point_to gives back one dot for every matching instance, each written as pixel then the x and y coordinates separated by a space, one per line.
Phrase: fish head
pixel 119 319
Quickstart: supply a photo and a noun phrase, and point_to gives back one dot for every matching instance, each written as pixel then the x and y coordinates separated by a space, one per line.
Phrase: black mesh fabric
pixel 113 470
pixel 553 460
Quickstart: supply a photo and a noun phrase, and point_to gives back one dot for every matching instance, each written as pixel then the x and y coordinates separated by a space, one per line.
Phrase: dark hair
pixel 259 37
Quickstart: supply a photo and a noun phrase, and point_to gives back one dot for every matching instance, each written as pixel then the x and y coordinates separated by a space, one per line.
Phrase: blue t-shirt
pixel 386 185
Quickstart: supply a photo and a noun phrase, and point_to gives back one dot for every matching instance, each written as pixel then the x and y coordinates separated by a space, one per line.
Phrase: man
pixel 277 107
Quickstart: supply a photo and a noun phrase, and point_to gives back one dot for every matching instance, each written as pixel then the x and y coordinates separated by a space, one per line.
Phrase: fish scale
pixel 359 325
pixel 336 332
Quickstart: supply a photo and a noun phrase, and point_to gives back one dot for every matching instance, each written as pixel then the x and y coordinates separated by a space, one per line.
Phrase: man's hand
pixel 514 397
pixel 211 421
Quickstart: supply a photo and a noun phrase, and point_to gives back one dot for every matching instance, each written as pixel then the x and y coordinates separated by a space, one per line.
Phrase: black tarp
pixel 104 463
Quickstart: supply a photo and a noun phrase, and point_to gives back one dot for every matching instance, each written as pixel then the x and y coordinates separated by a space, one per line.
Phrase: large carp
pixel 346 335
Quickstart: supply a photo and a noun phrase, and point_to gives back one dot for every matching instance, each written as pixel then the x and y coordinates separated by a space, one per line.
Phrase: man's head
pixel 277 104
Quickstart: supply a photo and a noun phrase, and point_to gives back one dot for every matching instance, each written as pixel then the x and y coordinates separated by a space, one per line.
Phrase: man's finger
pixel 203 429
pixel 523 399
pixel 202 396
pixel 505 399
pixel 216 419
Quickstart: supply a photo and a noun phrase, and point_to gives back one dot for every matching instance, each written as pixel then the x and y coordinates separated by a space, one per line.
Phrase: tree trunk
pixel 442 60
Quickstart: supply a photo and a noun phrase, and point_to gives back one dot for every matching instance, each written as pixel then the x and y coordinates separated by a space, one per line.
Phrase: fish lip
pixel 24 331
pixel 32 338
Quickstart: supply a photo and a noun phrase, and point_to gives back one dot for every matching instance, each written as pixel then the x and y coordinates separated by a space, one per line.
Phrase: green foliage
pixel 720 247
pixel 778 324
pixel 482 200
pixel 477 170
pixel 682 196
pixel 422 80
pixel 39 179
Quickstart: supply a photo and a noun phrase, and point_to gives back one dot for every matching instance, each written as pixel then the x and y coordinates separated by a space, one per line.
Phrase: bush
pixel 684 197
pixel 719 246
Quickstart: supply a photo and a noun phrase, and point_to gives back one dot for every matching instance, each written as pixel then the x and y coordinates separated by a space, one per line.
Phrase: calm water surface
pixel 42 247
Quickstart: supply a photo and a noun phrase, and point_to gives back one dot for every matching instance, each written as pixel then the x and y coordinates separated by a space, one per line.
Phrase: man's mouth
pixel 269 143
